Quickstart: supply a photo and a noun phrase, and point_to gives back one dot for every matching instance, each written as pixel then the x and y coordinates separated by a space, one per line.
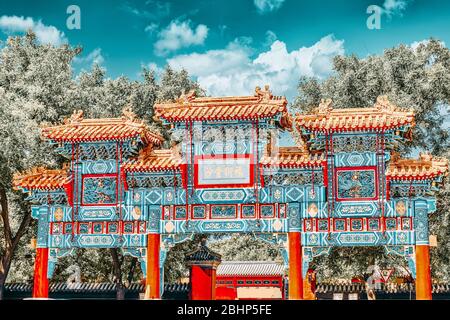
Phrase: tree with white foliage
pixel 37 87
pixel 33 82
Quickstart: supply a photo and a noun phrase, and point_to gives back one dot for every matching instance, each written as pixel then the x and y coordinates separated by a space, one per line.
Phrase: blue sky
pixel 229 46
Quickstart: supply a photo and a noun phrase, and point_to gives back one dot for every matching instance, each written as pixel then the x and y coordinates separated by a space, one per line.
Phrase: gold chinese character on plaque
pixel 208 172
pixel 218 172
pixel 238 171
pixel 228 171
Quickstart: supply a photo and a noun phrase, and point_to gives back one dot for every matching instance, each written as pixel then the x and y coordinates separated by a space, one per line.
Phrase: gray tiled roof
pixel 203 253
pixel 250 268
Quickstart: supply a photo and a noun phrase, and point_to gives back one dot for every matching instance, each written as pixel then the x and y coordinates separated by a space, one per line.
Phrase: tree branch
pixel 5 217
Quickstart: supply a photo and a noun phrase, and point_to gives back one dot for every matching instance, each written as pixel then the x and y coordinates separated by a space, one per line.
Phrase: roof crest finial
pixel 265 94
pixel 186 97
pixel 325 106
pixel 76 117
pixel 383 104
pixel 128 114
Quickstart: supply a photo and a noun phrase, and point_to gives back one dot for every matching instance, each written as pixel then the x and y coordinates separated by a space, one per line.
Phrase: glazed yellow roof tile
pixel 154 160
pixel 292 157
pixel 191 108
pixel 426 167
pixel 382 116
pixel 40 178
pixel 78 129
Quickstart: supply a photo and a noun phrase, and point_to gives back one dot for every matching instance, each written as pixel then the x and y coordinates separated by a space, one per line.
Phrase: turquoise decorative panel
pixel 355 159
pixel 35 211
pixel 98 241
pixel 43 227
pixel 154 216
pixel 421 222
pixel 60 213
pixel 351 239
pixel 210 148
pixel 223 211
pixel 314 209
pixel 224 196
pixel 99 167
pixel 248 212
pixel 180 212
pixel 217 225
pixel 294 194
pixel 135 196
pixel 97 213
pixel 99 190
pixel 431 205
pixel 134 240
pixel 294 215
pixel 356 209
pixel 154 196
pixel 199 212
pixel 136 212
pixel 267 211
pixel 355 184
pixel 172 196
pixel 271 194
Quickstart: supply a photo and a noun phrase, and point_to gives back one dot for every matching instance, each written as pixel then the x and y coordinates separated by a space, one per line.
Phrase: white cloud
pixel 151 28
pixel 179 35
pixel 395 7
pixel 270 38
pixel 154 67
pixel 235 71
pixel 94 57
pixel 152 10
pixel 44 34
pixel 416 44
pixel 265 6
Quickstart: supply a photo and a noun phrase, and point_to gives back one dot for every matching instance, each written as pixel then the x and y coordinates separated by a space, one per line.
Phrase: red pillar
pixel 295 266
pixel 40 287
pixel 423 273
pixel 203 282
pixel 152 280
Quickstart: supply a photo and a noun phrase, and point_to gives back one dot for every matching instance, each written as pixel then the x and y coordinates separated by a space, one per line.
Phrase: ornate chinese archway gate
pixel 344 186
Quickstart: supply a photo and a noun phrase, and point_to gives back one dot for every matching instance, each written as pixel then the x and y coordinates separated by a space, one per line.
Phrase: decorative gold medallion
pixel 313 210
pixel 400 208
pixel 59 214
pixel 136 213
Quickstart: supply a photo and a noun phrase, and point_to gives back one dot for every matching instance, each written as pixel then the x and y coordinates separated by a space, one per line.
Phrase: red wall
pixel 202 283
pixel 228 291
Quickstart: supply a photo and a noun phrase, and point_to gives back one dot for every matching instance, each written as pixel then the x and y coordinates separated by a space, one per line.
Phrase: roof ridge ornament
pixel 128 113
pixel 425 156
pixel 186 98
pixel 325 106
pixel 76 117
pixel 265 94
pixel 383 104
